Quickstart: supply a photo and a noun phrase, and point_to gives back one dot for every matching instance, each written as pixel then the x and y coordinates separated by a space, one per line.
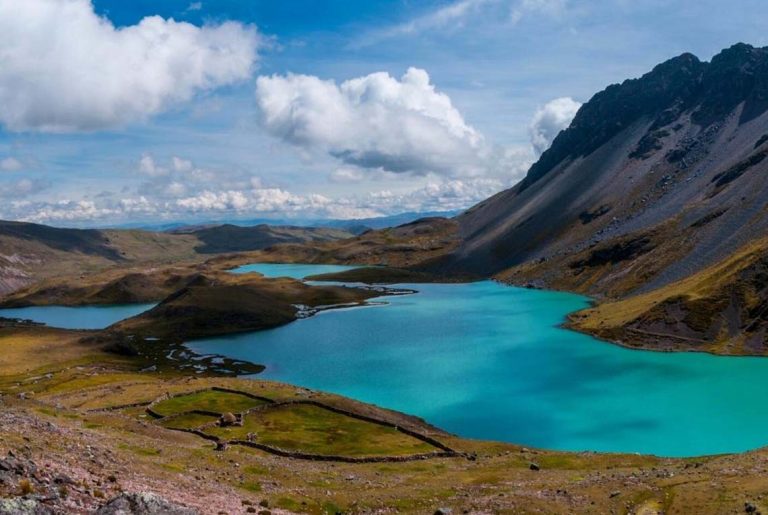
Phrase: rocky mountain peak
pixel 710 91
pixel 735 75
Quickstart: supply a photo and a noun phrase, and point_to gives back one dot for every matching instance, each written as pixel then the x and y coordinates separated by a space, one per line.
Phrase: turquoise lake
pixel 82 317
pixel 298 271
pixel 488 361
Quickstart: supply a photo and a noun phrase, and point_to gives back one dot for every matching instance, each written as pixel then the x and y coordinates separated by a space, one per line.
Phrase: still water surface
pixel 489 361
pixel 81 317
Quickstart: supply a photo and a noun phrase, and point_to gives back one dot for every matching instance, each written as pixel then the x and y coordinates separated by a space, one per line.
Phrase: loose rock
pixel 143 503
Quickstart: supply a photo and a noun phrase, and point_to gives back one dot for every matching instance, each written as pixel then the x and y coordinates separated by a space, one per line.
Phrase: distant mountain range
pixel 355 226
pixel 30 252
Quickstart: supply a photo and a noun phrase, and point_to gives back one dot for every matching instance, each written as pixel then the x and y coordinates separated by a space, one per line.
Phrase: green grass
pixel 186 421
pixel 287 503
pixel 209 400
pixel 251 486
pixel 315 430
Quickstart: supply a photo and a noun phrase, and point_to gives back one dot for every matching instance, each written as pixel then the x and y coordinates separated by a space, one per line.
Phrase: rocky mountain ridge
pixel 685 140
pixel 656 179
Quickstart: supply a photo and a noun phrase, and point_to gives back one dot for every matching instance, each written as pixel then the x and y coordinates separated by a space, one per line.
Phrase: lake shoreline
pixel 179 352
pixel 273 347
pixel 65 399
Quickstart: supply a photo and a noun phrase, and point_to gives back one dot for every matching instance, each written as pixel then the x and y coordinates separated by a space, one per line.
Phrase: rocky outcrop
pixel 143 503
pixel 20 506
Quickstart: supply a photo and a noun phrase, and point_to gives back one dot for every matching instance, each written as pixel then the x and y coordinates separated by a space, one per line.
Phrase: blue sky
pixel 232 109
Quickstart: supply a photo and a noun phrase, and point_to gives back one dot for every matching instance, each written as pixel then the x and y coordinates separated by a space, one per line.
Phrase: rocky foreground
pixel 89 477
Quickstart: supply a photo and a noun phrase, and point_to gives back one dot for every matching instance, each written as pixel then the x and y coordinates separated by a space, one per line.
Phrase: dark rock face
pixel 738 170
pixel 618 106
pixel 615 253
pixel 738 74
pixel 143 503
pixel 658 179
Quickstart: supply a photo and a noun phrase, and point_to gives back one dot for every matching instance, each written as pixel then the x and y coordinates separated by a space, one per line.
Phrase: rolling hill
pixel 32 252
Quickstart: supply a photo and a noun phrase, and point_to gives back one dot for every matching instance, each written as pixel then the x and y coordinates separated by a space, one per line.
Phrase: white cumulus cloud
pixel 182 165
pixel 445 195
pixel 148 166
pixel 252 200
pixel 549 120
pixel 64 68
pixel 374 122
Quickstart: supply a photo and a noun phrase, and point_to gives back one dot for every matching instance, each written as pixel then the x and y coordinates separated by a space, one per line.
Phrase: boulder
pixel 227 420
pixel 19 506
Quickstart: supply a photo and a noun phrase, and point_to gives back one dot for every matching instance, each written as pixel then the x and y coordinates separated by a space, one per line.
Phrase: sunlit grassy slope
pixel 722 308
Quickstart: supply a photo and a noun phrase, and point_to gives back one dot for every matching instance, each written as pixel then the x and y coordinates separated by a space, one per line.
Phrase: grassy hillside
pixel 30 253
pixel 721 309
pixel 232 238
pixel 113 286
pixel 212 304
pixel 413 246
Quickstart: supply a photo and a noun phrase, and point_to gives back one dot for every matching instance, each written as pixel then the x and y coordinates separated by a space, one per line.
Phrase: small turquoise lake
pixel 295 270
pixel 81 317
pixel 488 361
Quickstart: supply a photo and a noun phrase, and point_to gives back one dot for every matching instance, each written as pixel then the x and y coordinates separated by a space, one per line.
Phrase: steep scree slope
pixel 656 178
